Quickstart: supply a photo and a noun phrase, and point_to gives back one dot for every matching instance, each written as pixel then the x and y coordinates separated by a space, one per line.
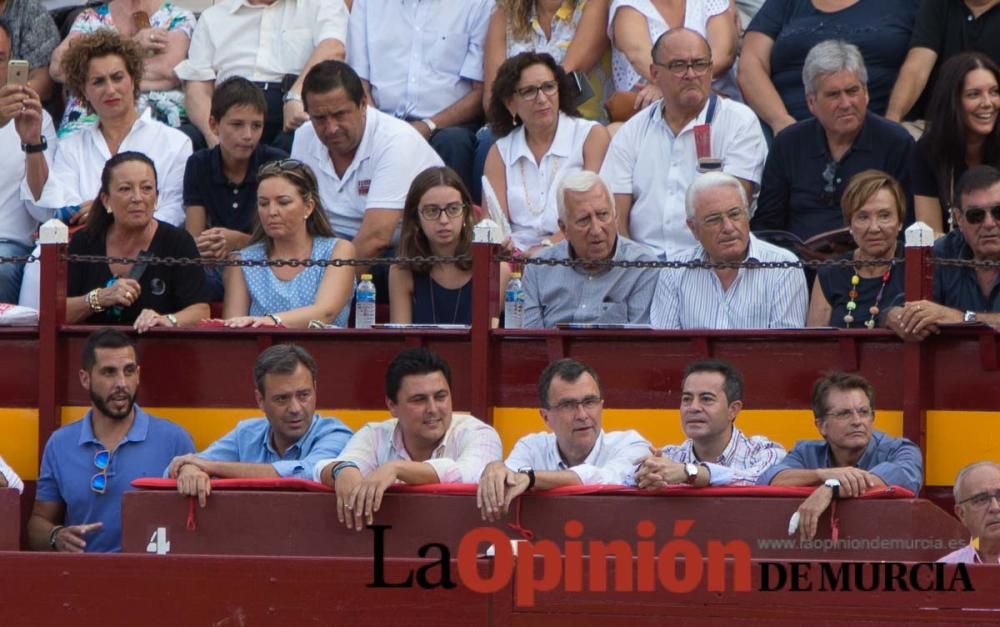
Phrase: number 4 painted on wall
pixel 158 542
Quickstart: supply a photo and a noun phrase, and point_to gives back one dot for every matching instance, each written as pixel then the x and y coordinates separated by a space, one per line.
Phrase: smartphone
pixel 141 20
pixel 17 72
pixel 582 87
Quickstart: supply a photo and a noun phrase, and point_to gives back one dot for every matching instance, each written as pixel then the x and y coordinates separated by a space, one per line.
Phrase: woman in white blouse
pixel 542 138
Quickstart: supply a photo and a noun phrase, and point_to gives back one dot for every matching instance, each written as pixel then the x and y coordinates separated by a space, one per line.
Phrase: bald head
pixel 680 36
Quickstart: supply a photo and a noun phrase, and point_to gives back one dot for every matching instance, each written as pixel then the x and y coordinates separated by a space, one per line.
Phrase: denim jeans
pixel 11 273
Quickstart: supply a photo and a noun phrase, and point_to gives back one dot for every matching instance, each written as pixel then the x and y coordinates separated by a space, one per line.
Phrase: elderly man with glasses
pixel 811 161
pixel 654 157
pixel 695 297
pixel 961 294
pixel 977 505
pixel 852 457
pixel 89 464
pixel 576 452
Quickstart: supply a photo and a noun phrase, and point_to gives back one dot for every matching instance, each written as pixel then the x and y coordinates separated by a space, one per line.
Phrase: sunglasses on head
pixel 276 167
pixel 976 215
pixel 99 482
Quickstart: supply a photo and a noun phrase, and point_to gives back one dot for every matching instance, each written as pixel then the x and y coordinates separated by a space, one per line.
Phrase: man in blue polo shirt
pixel 287 443
pixel 89 464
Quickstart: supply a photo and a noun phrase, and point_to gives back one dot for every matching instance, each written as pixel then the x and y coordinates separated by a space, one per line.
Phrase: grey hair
pixel 829 57
pixel 580 181
pixel 955 490
pixel 711 180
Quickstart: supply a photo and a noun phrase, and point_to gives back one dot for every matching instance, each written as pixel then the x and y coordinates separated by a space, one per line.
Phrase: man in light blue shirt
pixel 87 465
pixel 286 443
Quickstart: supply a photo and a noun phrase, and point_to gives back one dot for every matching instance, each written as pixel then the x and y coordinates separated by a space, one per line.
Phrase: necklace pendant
pixel 848 319
pixel 870 323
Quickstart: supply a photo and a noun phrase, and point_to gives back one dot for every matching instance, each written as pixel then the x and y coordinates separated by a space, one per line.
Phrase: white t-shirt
pixel 391 154
pixel 19 217
pixel 648 162
pixel 531 187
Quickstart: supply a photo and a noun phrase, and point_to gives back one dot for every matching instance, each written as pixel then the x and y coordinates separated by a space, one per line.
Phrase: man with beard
pixel 89 464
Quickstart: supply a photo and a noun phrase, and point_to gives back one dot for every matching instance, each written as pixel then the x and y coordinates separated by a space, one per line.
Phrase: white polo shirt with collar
pixel 260 42
pixel 647 161
pixel 531 186
pixel 391 154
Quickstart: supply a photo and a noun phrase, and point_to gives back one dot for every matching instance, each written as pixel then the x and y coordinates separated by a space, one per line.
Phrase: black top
pixel 442 306
pixel 957 287
pixel 228 205
pixel 165 289
pixel 835 281
pixel 927 181
pixel 947 27
pixel 792 196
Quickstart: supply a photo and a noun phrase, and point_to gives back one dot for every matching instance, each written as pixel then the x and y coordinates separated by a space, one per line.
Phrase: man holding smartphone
pixel 24 125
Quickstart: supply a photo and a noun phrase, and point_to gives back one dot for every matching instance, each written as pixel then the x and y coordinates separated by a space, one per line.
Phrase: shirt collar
pixel 219 176
pixel 322 153
pixel 866 459
pixel 591 459
pixel 863 141
pixel 657 112
pixel 136 433
pixel 269 441
pixel 617 254
pixel 400 447
pixel 562 141
pixel 699 251
pixel 236 5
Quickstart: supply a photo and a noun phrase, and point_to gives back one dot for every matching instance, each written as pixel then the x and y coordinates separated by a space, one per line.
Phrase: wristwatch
pixel 833 484
pixel 35 148
pixel 528 470
pixel 970 316
pixel 292 95
pixel 691 472
pixel 430 124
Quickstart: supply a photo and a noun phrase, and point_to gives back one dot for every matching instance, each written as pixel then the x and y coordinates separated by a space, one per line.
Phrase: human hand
pixel 921 318
pixel 811 510
pixel 80 217
pixel 255 322
pixel 173 470
pixel 122 293
pixel 11 102
pixel 498 487
pixel 365 496
pixel 853 481
pixel 193 481
pixel 148 319
pixel 647 95
pixel 657 471
pixel 212 244
pixel 295 115
pixel 152 40
pixel 28 121
pixel 422 128
pixel 69 539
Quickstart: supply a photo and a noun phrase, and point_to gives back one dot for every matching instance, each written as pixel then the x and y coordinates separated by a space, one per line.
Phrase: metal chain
pixel 600 263
pixel 198 261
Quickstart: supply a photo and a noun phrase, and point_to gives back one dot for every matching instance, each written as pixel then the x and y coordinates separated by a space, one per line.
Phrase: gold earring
pixel 514 115
pixel 108 209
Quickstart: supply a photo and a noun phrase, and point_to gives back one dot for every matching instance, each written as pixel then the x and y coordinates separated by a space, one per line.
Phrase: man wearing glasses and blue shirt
pixel 576 452
pixel 89 464
pixel 851 458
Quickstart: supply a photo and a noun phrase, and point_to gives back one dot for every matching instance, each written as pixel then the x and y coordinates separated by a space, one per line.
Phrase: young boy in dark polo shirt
pixel 220 184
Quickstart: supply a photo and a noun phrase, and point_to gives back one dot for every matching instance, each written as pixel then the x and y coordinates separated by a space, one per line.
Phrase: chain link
pixel 601 263
pixel 199 261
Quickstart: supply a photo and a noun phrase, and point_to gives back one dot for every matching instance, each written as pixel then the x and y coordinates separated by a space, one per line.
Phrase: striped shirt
pixel 611 461
pixel 742 461
pixel 759 298
pixel 466 448
pixel 965 555
pixel 13 481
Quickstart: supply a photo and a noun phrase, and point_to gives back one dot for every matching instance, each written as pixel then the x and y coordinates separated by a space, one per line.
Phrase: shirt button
pixel 235 191
pixel 236 205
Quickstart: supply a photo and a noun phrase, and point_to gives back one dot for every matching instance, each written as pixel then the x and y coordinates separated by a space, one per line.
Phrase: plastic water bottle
pixel 513 303
pixel 364 303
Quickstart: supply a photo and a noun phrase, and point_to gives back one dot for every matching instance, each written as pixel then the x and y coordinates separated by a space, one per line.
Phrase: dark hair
pixel 301 176
pixel 976 178
pixel 501 121
pixel 673 32
pixel 412 239
pixel 409 362
pixel 328 75
pixel 237 91
pixel 281 359
pixel 100 218
pixel 568 370
pixel 5 27
pixel 105 337
pixel 944 141
pixel 838 381
pixel 105 42
pixel 733 379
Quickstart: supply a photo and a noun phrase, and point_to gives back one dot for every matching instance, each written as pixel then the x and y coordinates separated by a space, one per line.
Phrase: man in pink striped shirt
pixel 977 505
pixel 423 442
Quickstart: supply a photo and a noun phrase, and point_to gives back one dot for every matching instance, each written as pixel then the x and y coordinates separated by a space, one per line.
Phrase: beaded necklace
pixel 853 294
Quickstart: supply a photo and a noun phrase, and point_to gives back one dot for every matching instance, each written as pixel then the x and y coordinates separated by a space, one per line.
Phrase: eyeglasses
pixel 845 414
pixel 531 92
pixel 976 215
pixel 569 405
pixel 277 167
pixel 433 212
pixel 679 67
pixel 983 499
pixel 735 215
pixel 99 482
pixel 883 218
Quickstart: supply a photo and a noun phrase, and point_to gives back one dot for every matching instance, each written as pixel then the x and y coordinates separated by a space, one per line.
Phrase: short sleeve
pixel 923 179
pixel 357 41
pixel 192 182
pixel 47 486
pixel 929 26
pixel 715 7
pixel 472 66
pixel 331 21
pixel 399 160
pixel 171 17
pixel 199 64
pixel 771 18
pixel 619 164
pixel 88 21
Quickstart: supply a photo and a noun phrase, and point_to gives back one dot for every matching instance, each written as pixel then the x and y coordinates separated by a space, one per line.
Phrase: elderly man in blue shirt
pixel 286 443
pixel 851 458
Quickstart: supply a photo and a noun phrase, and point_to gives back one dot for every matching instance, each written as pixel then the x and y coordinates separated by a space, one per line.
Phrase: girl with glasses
pixel 437 221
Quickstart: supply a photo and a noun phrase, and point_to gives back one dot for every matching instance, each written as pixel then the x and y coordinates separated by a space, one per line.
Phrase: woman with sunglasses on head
pixel 121 224
pixel 541 139
pixel 853 297
pixel 292 224
pixel 961 133
pixel 437 221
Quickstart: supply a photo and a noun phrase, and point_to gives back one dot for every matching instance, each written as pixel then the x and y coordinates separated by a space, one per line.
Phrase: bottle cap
pixel 366 277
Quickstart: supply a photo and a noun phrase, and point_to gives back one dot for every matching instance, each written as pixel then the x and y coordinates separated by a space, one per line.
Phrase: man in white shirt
pixel 9 478
pixel 364 160
pixel 654 157
pixel 727 298
pixel 576 452
pixel 716 452
pixel 23 125
pixel 423 442
pixel 270 42
pixel 422 61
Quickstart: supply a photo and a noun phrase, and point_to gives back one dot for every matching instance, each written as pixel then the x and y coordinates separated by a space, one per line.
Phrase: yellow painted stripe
pixel 954 438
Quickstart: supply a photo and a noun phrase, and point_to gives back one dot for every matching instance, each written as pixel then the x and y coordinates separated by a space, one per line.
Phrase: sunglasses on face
pixel 99 482
pixel 976 215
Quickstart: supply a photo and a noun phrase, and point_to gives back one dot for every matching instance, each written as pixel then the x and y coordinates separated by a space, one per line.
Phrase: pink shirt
pixel 964 555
